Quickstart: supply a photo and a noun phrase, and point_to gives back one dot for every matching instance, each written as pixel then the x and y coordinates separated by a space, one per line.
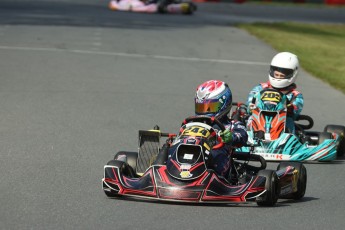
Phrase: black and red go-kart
pixel 181 172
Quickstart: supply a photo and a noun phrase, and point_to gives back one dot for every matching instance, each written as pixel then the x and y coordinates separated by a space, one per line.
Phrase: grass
pixel 319 47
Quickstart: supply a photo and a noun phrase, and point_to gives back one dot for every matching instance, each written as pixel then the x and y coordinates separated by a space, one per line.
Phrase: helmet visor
pixel 284 73
pixel 208 106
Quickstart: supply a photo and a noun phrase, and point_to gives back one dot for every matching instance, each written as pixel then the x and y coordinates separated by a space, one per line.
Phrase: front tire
pixel 324 136
pixel 128 157
pixel 124 168
pixel 272 190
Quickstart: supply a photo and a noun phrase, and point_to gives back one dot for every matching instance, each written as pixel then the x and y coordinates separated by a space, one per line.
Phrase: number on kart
pixel 271 96
pixel 196 131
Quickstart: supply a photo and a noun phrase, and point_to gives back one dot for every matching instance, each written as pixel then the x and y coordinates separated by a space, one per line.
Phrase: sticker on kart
pixel 196 131
pixel 274 157
pixel 271 96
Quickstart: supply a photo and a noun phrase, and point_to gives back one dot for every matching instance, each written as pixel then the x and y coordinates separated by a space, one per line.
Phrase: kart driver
pixel 214 98
pixel 282 76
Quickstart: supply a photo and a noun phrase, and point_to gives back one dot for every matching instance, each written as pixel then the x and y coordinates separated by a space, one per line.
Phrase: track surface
pixel 79 81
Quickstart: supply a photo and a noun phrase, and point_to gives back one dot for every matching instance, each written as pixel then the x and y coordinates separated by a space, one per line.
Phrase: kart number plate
pixel 271 96
pixel 196 131
pixel 188 156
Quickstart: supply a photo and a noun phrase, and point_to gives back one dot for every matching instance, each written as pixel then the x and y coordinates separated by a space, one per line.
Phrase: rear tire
pixel 301 181
pixel 272 190
pixel 340 130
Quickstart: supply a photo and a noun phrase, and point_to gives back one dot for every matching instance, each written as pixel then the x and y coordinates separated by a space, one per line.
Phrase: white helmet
pixel 286 63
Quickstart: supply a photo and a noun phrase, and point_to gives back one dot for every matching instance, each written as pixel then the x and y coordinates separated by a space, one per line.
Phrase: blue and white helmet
pixel 213 98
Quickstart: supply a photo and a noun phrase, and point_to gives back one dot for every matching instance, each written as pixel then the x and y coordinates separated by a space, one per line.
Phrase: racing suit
pixel 294 97
pixel 221 157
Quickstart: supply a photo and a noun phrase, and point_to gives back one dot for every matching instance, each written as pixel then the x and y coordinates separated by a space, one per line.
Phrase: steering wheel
pixel 204 119
pixel 209 121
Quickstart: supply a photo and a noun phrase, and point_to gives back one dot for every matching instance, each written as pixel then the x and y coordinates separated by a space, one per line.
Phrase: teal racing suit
pixel 294 97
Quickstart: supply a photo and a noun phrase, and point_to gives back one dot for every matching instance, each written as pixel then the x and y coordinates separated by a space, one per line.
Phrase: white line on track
pixel 41 49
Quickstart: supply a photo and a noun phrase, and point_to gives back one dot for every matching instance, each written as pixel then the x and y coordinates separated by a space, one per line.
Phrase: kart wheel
pixel 190 8
pixel 271 186
pixel 111 194
pixel 324 136
pixel 301 181
pixel 340 130
pixel 162 6
pixel 124 168
pixel 129 157
pixel 161 9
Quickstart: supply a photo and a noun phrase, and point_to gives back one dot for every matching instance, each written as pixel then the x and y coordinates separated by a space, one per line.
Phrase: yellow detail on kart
pixel 271 96
pixel 196 131
pixel 295 175
pixel 154 130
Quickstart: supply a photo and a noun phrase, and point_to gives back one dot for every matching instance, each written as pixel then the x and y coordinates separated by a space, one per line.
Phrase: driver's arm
pixel 296 106
pixel 239 134
pixel 252 93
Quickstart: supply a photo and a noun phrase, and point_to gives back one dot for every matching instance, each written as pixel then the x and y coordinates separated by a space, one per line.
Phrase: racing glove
pixel 226 136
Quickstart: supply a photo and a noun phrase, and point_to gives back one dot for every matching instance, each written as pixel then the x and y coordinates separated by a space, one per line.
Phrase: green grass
pixel 319 47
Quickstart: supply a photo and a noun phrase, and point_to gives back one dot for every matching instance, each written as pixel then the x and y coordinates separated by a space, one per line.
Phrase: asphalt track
pixel 77 82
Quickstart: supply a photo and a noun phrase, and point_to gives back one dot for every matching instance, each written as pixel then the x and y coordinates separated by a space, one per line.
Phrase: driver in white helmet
pixel 282 76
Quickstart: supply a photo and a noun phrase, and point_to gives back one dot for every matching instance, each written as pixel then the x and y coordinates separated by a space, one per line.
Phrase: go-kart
pixel 147 6
pixel 267 123
pixel 180 170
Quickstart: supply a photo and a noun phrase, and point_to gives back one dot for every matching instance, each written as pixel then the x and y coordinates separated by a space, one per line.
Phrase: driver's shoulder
pixel 231 123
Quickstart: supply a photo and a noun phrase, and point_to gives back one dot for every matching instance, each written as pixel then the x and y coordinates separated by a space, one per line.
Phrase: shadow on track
pixel 280 203
pixel 339 160
pixel 303 200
